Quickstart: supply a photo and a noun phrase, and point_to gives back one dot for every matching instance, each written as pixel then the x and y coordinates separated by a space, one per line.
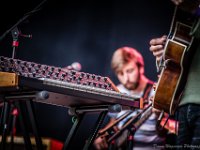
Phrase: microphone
pixel 115 108
pixel 42 95
pixel 74 66
pixel 26 35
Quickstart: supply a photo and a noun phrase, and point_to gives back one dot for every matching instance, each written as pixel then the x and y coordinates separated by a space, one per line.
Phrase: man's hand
pixel 100 143
pixel 157 46
pixel 171 125
pixel 177 2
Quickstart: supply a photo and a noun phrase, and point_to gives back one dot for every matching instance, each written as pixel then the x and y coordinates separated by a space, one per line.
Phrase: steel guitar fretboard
pixel 67 87
pixel 35 70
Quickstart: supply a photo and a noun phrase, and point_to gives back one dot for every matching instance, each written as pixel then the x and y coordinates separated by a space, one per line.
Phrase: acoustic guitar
pixel 178 52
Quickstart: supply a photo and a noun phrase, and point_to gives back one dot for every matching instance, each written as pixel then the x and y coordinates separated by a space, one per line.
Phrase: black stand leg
pixel 96 129
pixel 4 125
pixel 80 112
pixel 14 114
pixel 24 125
pixel 24 105
pixel 73 131
pixel 34 123
pixel 130 140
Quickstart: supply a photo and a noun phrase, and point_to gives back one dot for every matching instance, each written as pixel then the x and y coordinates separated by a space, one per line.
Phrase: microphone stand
pixel 108 130
pixel 15 43
pixel 6 106
pixel 15 34
pixel 130 124
pixel 37 8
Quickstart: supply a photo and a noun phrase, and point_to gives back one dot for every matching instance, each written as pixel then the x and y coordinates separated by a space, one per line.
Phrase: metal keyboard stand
pixel 4 123
pixel 79 112
pixel 19 101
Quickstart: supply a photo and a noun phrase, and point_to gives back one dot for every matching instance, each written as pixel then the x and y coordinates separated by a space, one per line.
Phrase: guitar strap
pixel 196 29
pixel 147 92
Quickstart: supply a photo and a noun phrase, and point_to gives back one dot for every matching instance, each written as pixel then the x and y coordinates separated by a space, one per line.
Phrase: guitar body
pixel 176 61
pixel 168 89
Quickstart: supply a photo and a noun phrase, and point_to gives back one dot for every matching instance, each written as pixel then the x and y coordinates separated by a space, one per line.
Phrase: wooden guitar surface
pixel 175 65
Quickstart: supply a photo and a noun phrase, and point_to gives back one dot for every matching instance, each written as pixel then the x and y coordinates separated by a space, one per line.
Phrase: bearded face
pixel 129 76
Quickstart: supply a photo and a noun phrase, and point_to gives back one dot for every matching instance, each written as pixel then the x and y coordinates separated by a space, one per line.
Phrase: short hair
pixel 123 56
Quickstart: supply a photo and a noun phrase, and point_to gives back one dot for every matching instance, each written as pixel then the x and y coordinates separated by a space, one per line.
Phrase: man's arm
pixel 100 143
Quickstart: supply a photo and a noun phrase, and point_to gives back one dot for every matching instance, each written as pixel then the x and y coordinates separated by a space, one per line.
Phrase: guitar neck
pixel 143 118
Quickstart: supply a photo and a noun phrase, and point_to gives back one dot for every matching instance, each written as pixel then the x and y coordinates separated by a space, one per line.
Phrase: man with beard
pixel 128 65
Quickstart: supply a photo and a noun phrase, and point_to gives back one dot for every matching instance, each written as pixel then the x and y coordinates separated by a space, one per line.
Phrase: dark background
pixel 88 32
